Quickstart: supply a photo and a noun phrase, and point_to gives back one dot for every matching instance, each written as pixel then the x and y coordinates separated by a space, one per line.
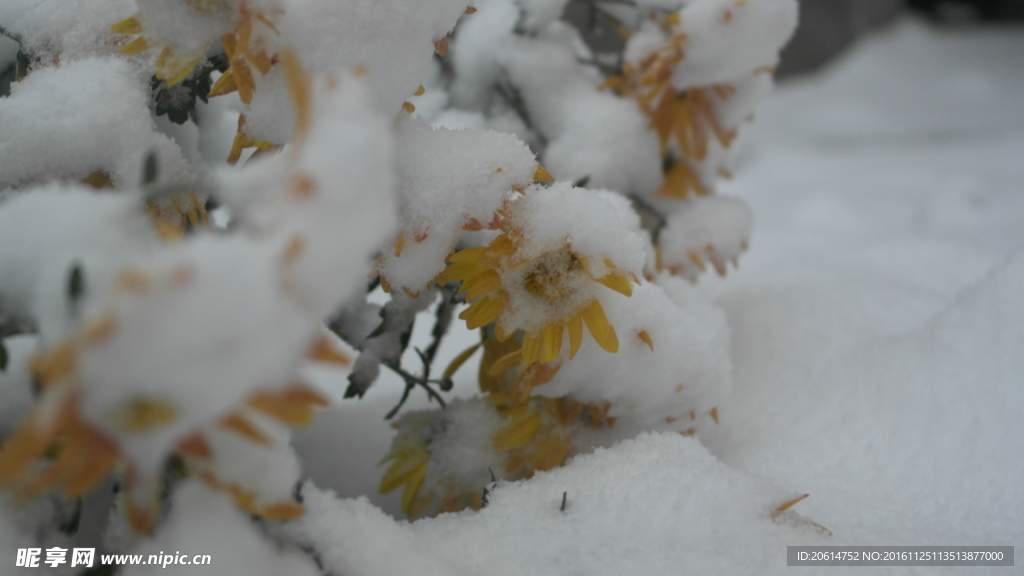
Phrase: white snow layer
pixel 659 503
pixel 63 117
pixel 448 179
pixel 727 39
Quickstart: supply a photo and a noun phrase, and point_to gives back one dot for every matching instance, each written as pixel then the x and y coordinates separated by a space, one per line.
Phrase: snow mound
pixel 644 502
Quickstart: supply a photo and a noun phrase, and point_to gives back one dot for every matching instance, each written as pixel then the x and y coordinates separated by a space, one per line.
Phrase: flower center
pixel 550 277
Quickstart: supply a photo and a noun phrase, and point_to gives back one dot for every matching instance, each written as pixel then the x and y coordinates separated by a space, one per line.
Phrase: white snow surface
pixel 63 117
pixel 436 202
pixel 727 39
pixel 876 336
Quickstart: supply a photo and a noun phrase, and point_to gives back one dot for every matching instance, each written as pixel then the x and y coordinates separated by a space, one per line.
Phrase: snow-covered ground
pixel 878 352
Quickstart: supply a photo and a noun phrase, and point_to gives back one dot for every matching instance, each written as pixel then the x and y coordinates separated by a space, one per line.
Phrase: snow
pixel 392 39
pixel 726 39
pixel 65 30
pixel 705 232
pixel 436 203
pixel 658 504
pixel 62 117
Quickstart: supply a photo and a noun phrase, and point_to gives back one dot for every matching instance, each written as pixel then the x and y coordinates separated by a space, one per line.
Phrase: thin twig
pixel 443 320
pixel 654 213
pixel 411 381
pixel 511 95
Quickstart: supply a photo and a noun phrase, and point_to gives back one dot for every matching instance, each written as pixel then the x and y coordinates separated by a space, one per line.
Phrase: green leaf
pixel 76 283
pixel 75 287
pixel 150 170
pixel 21 66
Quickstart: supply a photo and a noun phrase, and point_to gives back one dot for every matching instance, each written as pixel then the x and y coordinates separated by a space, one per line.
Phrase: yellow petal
pixel 542 175
pixel 175 72
pixel 401 471
pixel 441 47
pixel 459 360
pixel 142 518
pixel 229 43
pixel 243 80
pixel 551 453
pixel 127 26
pixel 518 432
pixel 467 256
pixel 460 271
pixel 419 503
pixel 299 86
pixel 282 511
pixel 99 329
pixel 619 283
pixel 236 423
pixel 575 327
pixel 600 329
pixel 98 179
pixel 282 407
pixel 477 287
pixel 552 343
pixel 531 347
pixel 140 414
pixel 95 460
pixel 134 47
pixel 194 446
pixel 324 350
pixel 787 505
pixel 499 366
pixel 482 312
pixel 224 85
pixel 645 337
pixel 260 61
pixel 697 261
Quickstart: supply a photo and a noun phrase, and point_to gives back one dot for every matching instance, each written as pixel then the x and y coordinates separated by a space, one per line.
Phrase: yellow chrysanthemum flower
pixel 557 286
pixel 689 118
pixel 539 434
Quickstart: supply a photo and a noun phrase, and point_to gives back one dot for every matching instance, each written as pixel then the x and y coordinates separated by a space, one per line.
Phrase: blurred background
pixel 828 27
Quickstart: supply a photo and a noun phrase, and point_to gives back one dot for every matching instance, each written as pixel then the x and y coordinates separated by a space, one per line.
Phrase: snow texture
pixel 726 39
pixel 646 502
pixel 448 180
pixel 60 122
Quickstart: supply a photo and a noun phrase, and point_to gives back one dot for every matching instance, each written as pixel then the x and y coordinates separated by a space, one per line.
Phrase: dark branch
pixel 647 208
